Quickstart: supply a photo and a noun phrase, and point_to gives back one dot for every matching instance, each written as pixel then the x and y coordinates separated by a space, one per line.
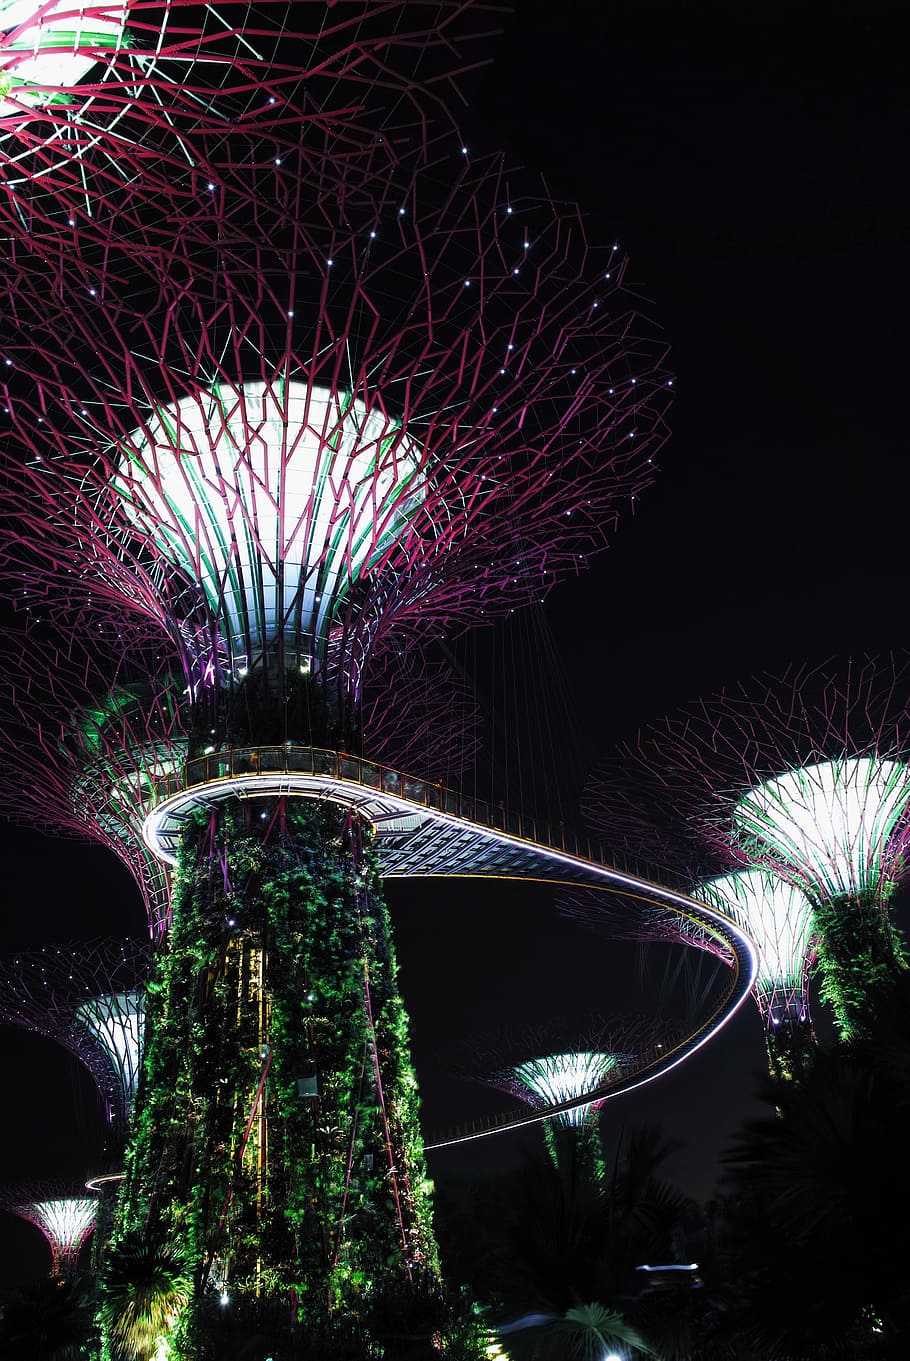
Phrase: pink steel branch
pixel 477 322
pixel 46 992
pixel 87 733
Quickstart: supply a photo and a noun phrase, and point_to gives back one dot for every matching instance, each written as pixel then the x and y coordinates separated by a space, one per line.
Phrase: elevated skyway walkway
pixel 425 830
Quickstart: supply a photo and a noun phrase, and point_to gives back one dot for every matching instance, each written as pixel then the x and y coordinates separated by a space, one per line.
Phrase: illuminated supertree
pixel 542 1077
pixel 778 917
pixel 87 997
pixel 65 1217
pixel 411 411
pixel 805 777
pixel 87 735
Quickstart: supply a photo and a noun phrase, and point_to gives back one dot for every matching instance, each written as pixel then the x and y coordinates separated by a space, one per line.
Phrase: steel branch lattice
pixel 455 397
pixel 86 997
pixel 87 735
pixel 65 1217
pixel 805 774
pixel 541 1072
pixel 119 97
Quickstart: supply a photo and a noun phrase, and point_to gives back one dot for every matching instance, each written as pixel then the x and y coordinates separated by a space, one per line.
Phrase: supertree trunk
pixel 861 958
pixel 791 1043
pixel 276 1138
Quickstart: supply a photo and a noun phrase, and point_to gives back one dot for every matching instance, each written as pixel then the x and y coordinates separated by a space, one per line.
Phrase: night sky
pixel 752 162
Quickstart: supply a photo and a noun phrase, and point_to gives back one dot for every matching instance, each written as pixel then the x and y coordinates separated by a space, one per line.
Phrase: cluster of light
pixel 829 824
pixel 48 48
pixel 564 1077
pixel 778 917
pixel 276 498
pixel 118 1022
pixel 65 1223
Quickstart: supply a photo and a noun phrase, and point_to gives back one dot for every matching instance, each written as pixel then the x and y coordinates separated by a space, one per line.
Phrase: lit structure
pixel 109 108
pixel 410 412
pixel 88 738
pixel 66 1219
pixel 610 1059
pixel 778 917
pixel 547 1080
pixel 87 997
pixel 806 777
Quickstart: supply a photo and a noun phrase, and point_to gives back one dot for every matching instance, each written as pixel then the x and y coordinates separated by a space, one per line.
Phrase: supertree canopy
pixel 539 1074
pixel 88 997
pixel 778 917
pixel 411 405
pixel 806 777
pixel 64 1217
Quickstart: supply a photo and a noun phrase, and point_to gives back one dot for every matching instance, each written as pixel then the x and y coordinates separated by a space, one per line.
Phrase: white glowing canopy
pixel 274 498
pixel 65 1223
pixel 778 917
pixel 118 1023
pixel 830 824
pixel 47 49
pixel 560 1077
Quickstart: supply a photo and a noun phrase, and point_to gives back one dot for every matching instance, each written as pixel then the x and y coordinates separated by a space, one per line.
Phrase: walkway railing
pixel 337 765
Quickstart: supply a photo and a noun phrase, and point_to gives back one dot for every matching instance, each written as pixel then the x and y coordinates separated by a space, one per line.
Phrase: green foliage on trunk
pixel 274 1009
pixel 861 957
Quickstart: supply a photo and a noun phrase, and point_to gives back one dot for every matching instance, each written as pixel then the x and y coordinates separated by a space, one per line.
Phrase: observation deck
pixel 424 830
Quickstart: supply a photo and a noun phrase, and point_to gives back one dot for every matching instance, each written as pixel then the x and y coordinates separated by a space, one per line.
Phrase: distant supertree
pixel 539 1074
pixel 409 410
pixel 64 1216
pixel 91 735
pixel 89 998
pixel 805 776
pixel 778 917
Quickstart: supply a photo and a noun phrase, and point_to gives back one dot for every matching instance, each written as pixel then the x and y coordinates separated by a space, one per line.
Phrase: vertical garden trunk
pixel 860 957
pixel 276 1140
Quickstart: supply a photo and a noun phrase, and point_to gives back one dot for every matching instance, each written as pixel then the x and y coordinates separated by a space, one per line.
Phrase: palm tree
pixel 563 1236
pixel 50 1321
pixel 818 1202
pixel 146 1285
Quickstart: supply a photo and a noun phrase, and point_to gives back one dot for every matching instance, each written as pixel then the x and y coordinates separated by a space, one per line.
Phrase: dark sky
pixel 752 160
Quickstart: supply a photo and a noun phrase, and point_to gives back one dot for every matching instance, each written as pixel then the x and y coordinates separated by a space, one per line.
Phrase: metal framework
pixel 64 1217
pixel 87 997
pixel 454 395
pixel 805 777
pixel 91 736
pixel 113 107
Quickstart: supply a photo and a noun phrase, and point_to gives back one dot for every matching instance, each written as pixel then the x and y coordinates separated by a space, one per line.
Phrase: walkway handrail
pixel 290 759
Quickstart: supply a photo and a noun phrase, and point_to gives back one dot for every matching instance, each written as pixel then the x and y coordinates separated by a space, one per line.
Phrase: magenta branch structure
pixel 108 109
pixel 804 777
pixel 92 736
pixel 87 997
pixel 64 1217
pixel 413 403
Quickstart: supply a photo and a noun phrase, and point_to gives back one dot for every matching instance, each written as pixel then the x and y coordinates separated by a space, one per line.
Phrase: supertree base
pixel 275 1144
